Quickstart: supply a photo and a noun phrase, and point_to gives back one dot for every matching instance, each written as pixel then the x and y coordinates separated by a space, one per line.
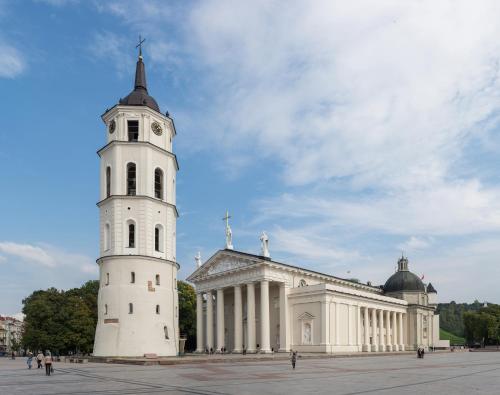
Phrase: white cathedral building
pixel 245 302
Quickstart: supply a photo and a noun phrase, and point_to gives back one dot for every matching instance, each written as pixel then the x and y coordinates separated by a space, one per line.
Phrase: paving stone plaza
pixel 440 373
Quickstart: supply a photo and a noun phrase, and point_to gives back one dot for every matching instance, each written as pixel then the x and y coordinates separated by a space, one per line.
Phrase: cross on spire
pixel 141 40
pixel 226 218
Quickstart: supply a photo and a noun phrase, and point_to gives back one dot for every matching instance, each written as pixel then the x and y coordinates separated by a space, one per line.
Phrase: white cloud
pixel 415 243
pixel 47 255
pixel 2 258
pixel 12 62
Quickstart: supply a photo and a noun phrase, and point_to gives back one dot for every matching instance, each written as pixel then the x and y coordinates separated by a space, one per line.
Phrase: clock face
pixel 112 126
pixel 156 128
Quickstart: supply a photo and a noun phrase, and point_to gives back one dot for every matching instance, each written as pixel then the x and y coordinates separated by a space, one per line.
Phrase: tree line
pixel 64 321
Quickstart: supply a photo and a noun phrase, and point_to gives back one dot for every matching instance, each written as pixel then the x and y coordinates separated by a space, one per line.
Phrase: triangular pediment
pixel 222 262
pixel 306 316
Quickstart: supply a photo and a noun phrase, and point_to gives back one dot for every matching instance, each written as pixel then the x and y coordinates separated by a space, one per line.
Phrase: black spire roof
pixel 431 289
pixel 139 96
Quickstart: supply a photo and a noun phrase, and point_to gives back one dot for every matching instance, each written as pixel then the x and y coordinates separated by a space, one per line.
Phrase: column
pixel 388 331
pixel 251 317
pixel 210 320
pixel 358 327
pixel 381 342
pixel 394 332
pixel 264 317
pixel 337 324
pixel 374 330
pixel 284 319
pixel 366 342
pixel 238 320
pixel 349 325
pixel 325 324
pixel 400 332
pixel 220 319
pixel 199 323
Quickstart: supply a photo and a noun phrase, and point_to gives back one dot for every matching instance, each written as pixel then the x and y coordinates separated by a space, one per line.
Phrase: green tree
pixel 187 313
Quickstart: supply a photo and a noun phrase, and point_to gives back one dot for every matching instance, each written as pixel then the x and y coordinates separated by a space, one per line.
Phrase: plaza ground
pixel 442 373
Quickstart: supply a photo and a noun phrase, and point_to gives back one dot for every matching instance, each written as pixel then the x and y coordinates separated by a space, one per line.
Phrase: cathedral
pixel 245 302
pixel 262 305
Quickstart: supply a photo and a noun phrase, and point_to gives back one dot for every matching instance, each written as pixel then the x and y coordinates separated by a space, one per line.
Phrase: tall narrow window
pixel 157 279
pixel 107 237
pixel 108 181
pixel 107 278
pixel 158 184
pixel 131 179
pixel 130 308
pixel 132 277
pixel 159 238
pixel 157 309
pixel 131 235
pixel 105 309
pixel 133 130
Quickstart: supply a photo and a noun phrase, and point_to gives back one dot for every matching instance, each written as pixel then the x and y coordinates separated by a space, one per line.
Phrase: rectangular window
pixel 130 308
pixel 157 279
pixel 132 277
pixel 107 278
pixel 133 130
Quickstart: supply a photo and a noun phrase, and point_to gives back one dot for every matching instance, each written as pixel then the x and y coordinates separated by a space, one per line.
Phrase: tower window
pixel 105 309
pixel 131 179
pixel 133 130
pixel 157 279
pixel 130 308
pixel 157 309
pixel 108 181
pixel 107 237
pixel 165 330
pixel 159 238
pixel 107 278
pixel 158 184
pixel 132 277
pixel 131 235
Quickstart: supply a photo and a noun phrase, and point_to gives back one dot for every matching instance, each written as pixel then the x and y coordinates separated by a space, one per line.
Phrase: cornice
pixel 162 202
pixel 152 258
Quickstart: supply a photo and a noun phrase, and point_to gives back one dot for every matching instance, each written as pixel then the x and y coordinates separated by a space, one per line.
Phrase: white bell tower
pixel 137 303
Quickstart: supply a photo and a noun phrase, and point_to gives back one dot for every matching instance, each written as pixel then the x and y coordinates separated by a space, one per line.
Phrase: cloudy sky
pixel 349 130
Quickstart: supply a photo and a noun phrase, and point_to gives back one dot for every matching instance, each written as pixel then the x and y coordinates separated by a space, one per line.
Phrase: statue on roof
pixel 264 240
pixel 229 233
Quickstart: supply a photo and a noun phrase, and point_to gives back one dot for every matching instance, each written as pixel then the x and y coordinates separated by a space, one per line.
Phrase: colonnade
pixel 251 346
pixel 386 328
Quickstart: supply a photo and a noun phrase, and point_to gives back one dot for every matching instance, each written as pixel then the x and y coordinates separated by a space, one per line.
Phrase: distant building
pixel 11 330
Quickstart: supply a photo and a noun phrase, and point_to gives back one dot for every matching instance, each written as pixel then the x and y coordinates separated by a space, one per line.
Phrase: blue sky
pixel 348 132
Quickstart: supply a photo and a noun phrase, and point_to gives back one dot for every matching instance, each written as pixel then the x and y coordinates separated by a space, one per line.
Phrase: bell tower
pixel 137 302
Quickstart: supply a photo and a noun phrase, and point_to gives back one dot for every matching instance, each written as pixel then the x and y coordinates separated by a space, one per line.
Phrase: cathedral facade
pixel 252 303
pixel 137 302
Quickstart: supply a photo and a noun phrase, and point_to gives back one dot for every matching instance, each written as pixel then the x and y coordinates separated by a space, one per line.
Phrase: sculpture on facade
pixel 197 259
pixel 229 233
pixel 264 239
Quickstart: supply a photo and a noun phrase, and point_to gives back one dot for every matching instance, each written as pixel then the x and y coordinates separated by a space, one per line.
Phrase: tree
pixel 187 313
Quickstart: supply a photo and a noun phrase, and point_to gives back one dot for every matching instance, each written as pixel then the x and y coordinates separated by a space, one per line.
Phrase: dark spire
pixel 139 96
pixel 431 289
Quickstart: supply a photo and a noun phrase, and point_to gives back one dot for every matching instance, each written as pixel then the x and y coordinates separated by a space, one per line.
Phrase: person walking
pixel 29 361
pixel 294 358
pixel 39 359
pixel 48 364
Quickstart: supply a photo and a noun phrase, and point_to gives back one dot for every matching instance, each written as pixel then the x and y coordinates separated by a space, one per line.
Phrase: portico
pixel 265 306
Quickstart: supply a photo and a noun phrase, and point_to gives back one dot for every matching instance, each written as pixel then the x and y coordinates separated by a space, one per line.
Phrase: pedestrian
pixel 48 364
pixel 39 359
pixel 29 361
pixel 13 355
pixel 294 359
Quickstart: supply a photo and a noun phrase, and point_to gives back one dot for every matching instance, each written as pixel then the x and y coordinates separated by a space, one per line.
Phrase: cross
pixel 141 40
pixel 226 218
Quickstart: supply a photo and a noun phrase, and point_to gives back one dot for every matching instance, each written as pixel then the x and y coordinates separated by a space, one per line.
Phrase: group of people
pixel 420 352
pixel 41 358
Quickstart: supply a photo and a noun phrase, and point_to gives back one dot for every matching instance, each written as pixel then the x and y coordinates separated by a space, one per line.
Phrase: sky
pixel 351 132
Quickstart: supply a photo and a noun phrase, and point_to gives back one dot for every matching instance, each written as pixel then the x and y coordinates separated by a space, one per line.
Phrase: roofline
pixel 265 259
pixel 104 257
pixel 171 154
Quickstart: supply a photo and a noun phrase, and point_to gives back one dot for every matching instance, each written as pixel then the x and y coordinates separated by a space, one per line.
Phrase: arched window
pixel 157 309
pixel 108 181
pixel 105 309
pixel 107 237
pixel 131 179
pixel 131 235
pixel 132 277
pixel 159 238
pixel 130 308
pixel 158 184
pixel 157 279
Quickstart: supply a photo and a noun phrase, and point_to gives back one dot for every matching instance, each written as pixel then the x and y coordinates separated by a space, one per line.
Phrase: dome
pixel 403 280
pixel 139 96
